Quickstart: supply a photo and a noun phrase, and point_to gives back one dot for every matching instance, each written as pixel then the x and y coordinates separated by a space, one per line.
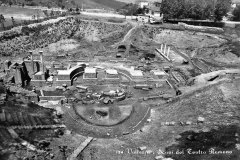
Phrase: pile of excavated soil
pixel 40 36
pixel 60 46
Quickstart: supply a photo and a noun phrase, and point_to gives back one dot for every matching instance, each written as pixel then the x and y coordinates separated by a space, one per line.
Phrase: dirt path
pixel 128 35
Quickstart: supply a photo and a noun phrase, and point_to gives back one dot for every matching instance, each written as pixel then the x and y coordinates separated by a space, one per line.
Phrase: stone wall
pixel 202 28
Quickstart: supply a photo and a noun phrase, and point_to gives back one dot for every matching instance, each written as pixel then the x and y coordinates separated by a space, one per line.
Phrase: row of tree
pixel 131 9
pixel 185 9
pixel 195 9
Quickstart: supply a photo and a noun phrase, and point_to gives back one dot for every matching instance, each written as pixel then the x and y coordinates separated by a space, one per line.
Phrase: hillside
pixel 134 1
pixel 127 1
pixel 107 4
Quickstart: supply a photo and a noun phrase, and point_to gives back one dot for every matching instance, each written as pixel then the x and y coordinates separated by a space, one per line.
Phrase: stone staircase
pixel 23 119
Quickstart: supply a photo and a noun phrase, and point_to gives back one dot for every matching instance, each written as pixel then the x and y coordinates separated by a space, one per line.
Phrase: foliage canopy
pixel 195 9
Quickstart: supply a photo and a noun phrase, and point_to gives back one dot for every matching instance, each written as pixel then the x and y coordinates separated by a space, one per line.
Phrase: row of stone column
pixel 165 49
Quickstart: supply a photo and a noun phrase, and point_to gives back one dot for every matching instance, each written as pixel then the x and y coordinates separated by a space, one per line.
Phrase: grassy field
pixel 18 10
pixel 19 14
pixel 107 4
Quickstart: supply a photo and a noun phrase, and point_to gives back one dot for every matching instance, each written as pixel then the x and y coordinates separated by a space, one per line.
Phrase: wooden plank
pixel 9 118
pixel 77 151
pixel 20 117
pixel 15 118
pixel 38 121
pixel 33 122
pixel 160 54
pixel 12 133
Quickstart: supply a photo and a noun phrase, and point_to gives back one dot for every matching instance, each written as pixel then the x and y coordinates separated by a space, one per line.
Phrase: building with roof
pixel 235 3
pixel 66 76
pixel 143 4
pixel 63 74
pixel 112 74
pixel 135 73
pixel 90 73
pixel 160 74
pixel 154 9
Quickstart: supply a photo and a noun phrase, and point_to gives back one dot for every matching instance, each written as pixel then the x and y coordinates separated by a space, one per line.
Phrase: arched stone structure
pixel 76 71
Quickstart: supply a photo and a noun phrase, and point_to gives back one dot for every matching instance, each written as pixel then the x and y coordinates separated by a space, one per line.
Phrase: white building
pixel 160 74
pixel 136 73
pixel 90 73
pixel 235 3
pixel 143 4
pixel 112 73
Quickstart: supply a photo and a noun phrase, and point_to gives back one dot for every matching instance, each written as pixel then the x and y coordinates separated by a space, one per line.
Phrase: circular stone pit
pixel 104 116
pixel 118 120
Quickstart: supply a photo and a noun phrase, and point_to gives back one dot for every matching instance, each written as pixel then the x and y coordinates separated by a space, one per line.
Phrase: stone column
pixel 165 49
pixel 162 48
pixel 32 62
pixel 42 65
pixel 168 52
pixel 6 65
pixel 52 66
pixel 41 60
pixel 18 76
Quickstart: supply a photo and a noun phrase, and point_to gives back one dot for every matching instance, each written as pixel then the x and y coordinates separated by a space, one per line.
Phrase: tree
pixel 38 16
pixel 13 21
pixel 10 3
pixel 129 9
pixel 33 17
pixel 207 12
pixel 236 13
pixel 77 9
pixel 140 11
pixel 195 9
pixel 221 9
pixel 51 13
pixel 2 20
pixel 46 13
pixel 173 8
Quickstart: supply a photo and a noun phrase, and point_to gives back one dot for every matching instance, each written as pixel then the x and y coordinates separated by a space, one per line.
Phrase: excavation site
pixel 79 87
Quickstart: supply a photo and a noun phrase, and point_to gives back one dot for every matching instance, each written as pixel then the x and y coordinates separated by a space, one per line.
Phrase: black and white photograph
pixel 119 79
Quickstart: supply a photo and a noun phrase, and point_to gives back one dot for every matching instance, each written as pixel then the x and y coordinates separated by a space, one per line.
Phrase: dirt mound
pixel 60 46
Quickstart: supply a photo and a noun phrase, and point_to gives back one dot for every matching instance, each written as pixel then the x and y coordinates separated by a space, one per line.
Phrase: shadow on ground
pixel 217 144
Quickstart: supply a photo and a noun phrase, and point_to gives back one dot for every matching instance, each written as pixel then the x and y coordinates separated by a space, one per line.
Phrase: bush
pixel 116 20
pixel 236 13
pixel 130 9
pixel 32 4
